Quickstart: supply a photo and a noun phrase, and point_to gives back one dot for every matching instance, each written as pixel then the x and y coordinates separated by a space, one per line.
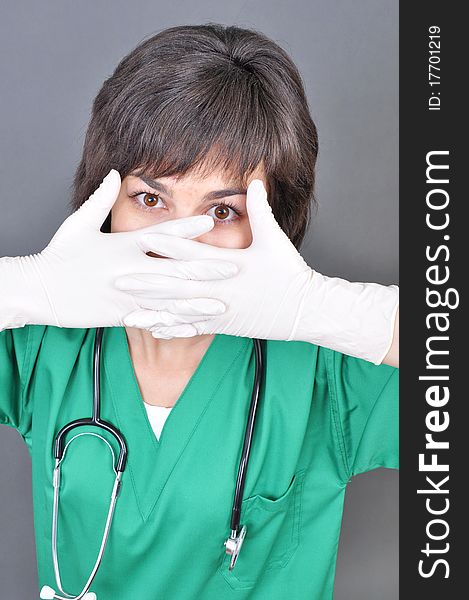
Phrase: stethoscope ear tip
pixel 47 593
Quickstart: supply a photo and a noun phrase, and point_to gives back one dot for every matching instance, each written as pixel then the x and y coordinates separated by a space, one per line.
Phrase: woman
pixel 197 118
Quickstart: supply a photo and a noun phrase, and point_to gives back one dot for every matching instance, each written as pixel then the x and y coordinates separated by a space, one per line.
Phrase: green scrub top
pixel 323 417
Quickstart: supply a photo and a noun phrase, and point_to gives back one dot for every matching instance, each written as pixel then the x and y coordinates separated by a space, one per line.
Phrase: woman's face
pixel 143 202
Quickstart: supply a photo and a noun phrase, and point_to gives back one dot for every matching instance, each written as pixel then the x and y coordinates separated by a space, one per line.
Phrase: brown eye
pixel 222 211
pixel 150 199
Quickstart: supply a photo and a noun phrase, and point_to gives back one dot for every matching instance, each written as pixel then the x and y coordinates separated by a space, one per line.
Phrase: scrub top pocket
pixel 273 530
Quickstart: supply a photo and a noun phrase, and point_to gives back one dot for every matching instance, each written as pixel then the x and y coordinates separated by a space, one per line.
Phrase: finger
pixel 146 319
pixel 96 208
pixel 143 319
pixel 160 286
pixel 192 306
pixel 187 330
pixel 201 270
pixel 187 227
pixel 173 246
pixel 260 214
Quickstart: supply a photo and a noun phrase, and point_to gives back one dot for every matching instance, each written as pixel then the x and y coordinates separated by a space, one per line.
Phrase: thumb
pixel 96 208
pixel 261 217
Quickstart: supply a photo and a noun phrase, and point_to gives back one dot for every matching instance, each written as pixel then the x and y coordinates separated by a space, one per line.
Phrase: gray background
pixel 54 55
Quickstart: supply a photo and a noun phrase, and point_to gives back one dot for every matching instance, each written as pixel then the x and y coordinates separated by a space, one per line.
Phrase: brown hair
pixel 200 98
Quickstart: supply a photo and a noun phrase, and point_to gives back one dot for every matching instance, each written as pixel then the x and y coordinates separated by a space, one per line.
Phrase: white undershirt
pixel 157 416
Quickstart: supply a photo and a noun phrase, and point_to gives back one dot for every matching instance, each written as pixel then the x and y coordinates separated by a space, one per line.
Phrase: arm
pixel 354 318
pixel 22 297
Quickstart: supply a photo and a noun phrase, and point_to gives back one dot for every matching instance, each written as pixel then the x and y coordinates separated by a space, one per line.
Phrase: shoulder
pixel 344 378
pixel 32 343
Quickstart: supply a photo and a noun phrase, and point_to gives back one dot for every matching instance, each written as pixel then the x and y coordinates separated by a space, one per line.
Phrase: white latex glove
pixel 71 282
pixel 275 295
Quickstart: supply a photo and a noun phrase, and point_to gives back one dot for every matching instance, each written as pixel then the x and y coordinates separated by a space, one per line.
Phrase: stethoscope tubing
pixel 96 421
pixel 248 435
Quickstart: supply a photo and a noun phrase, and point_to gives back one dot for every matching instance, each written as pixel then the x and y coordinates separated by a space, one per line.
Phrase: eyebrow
pixel 215 195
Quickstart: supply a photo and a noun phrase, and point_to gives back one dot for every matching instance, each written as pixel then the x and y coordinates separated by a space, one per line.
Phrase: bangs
pixel 201 128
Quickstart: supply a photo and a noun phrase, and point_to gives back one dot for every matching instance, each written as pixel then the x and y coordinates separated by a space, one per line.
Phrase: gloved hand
pixel 70 283
pixel 275 295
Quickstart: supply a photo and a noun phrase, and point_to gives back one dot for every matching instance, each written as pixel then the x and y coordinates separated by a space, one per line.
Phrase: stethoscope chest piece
pixel 233 545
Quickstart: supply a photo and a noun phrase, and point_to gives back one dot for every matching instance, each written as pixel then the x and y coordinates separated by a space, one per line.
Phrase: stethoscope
pixel 235 540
